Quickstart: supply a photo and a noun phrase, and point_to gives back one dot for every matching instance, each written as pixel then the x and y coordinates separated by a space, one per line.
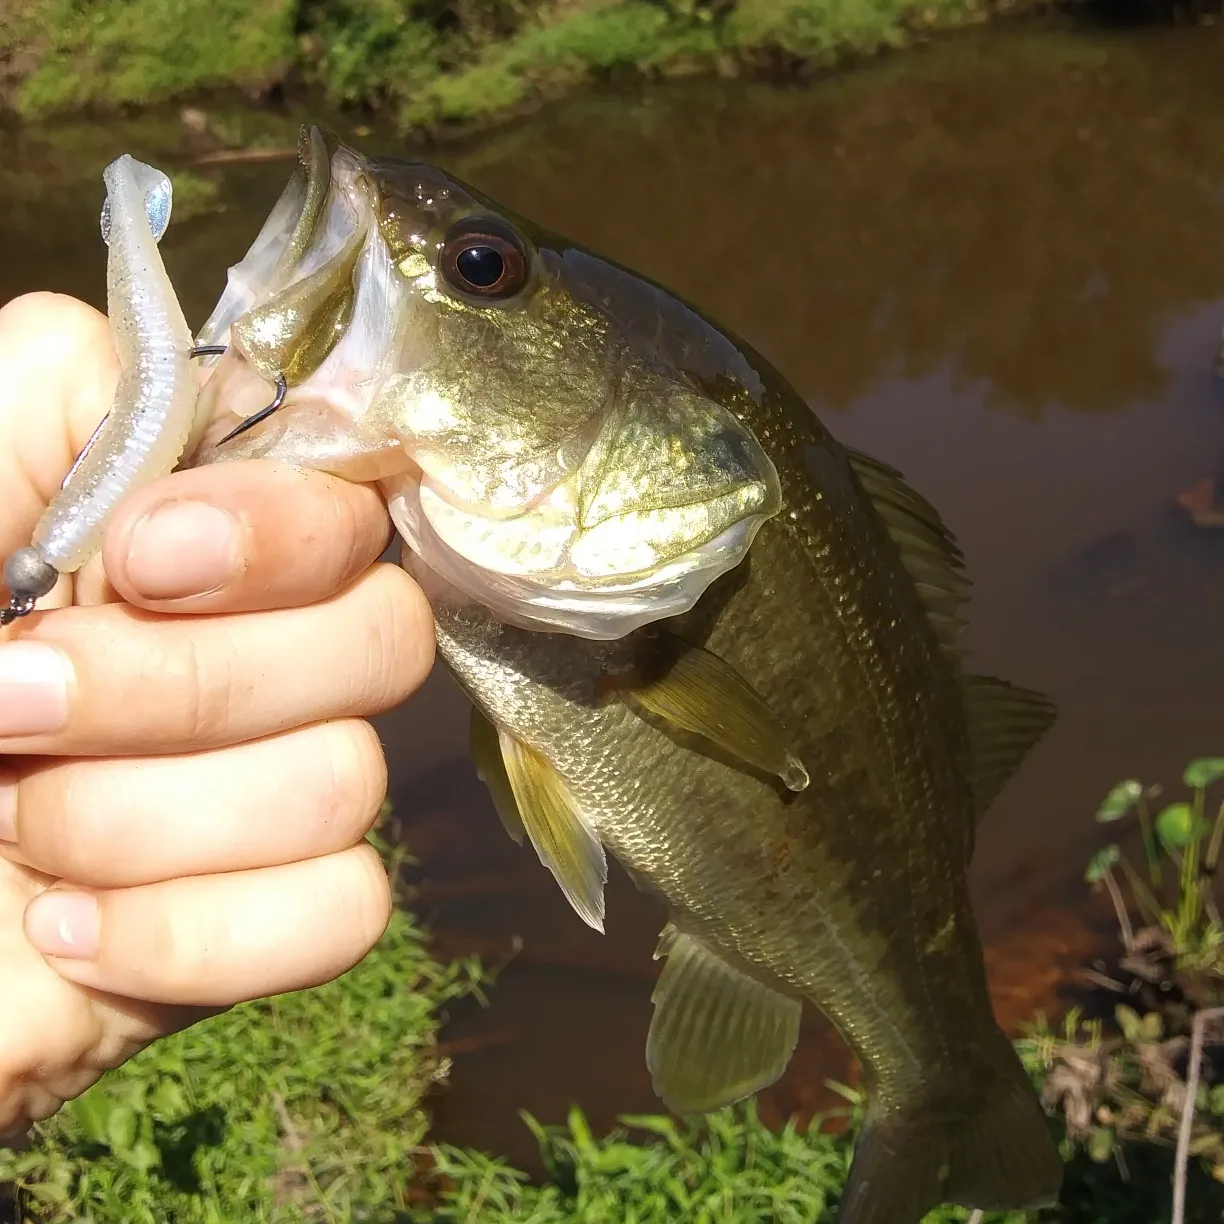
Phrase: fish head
pixel 542 450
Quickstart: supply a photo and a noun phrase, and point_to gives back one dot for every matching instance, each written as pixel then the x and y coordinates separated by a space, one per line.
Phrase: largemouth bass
pixel 697 632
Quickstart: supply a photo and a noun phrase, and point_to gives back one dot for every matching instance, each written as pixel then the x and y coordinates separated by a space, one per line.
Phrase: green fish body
pixel 698 633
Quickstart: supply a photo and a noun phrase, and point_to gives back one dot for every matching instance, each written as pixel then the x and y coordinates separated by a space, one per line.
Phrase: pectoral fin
pixel 699 694
pixel 717 1036
pixel 565 842
pixel 491 770
pixel 1004 723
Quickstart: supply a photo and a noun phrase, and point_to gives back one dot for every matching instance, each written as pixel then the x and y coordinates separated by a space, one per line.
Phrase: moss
pixel 140 51
pixel 369 50
pixel 432 63
pixel 544 59
pixel 804 31
pixel 551 52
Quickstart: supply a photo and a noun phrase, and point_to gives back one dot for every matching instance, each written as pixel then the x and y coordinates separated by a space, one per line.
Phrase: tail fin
pixel 998 1155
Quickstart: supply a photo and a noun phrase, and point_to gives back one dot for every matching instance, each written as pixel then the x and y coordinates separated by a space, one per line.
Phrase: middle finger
pixel 106 824
pixel 111 680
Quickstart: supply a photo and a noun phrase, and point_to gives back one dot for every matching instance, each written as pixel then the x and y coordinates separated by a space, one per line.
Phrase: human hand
pixel 185 779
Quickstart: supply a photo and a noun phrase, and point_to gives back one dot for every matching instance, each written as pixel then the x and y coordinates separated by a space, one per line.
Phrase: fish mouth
pixel 340 297
pixel 316 301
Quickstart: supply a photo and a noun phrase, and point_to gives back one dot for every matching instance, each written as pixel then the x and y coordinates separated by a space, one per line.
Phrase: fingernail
pixel 34 679
pixel 182 548
pixel 8 811
pixel 63 924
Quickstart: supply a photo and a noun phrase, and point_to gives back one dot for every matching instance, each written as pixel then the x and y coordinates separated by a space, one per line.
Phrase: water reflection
pixel 997 264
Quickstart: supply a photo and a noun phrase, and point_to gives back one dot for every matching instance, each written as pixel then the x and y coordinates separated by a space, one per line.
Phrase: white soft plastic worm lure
pixel 152 415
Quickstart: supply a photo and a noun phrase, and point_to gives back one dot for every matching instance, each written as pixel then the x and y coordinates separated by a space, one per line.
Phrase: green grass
pixel 431 64
pixel 302 1107
pixel 731 1169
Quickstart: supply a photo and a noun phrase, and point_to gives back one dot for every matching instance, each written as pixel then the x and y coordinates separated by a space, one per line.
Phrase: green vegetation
pixel 309 1106
pixel 431 63
pixel 144 50
pixel 306 1106
pixel 303 1107
pixel 733 1170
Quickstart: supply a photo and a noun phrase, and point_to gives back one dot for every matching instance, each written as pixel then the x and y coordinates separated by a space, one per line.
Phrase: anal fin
pixel 717 1035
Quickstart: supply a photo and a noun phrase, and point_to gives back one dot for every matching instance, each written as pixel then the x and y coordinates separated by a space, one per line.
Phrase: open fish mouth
pixel 531 459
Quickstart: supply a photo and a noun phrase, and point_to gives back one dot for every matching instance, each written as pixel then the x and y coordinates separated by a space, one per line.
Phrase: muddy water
pixel 999 264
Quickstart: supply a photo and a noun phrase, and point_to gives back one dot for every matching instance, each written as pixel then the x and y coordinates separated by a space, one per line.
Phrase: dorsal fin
pixel 1004 723
pixel 928 549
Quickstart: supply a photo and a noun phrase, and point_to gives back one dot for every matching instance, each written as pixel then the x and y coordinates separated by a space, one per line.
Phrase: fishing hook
pixel 262 415
pixel 23 605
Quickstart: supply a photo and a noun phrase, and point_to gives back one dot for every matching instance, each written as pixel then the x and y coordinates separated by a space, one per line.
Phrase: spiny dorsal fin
pixel 491 770
pixel 928 550
pixel 561 835
pixel 717 1036
pixel 699 694
pixel 1004 723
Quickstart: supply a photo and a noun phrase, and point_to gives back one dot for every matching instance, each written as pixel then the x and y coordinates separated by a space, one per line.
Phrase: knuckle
pixel 60 826
pixel 401 642
pixel 44 324
pixel 206 683
pixel 357 908
pixel 80 833
pixel 369 894
pixel 182 947
pixel 36 309
pixel 348 542
pixel 356 780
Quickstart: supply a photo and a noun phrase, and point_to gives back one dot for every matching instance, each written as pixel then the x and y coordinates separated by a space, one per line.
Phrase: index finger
pixel 58 372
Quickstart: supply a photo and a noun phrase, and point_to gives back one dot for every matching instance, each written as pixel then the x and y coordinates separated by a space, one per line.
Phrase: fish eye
pixel 483 261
